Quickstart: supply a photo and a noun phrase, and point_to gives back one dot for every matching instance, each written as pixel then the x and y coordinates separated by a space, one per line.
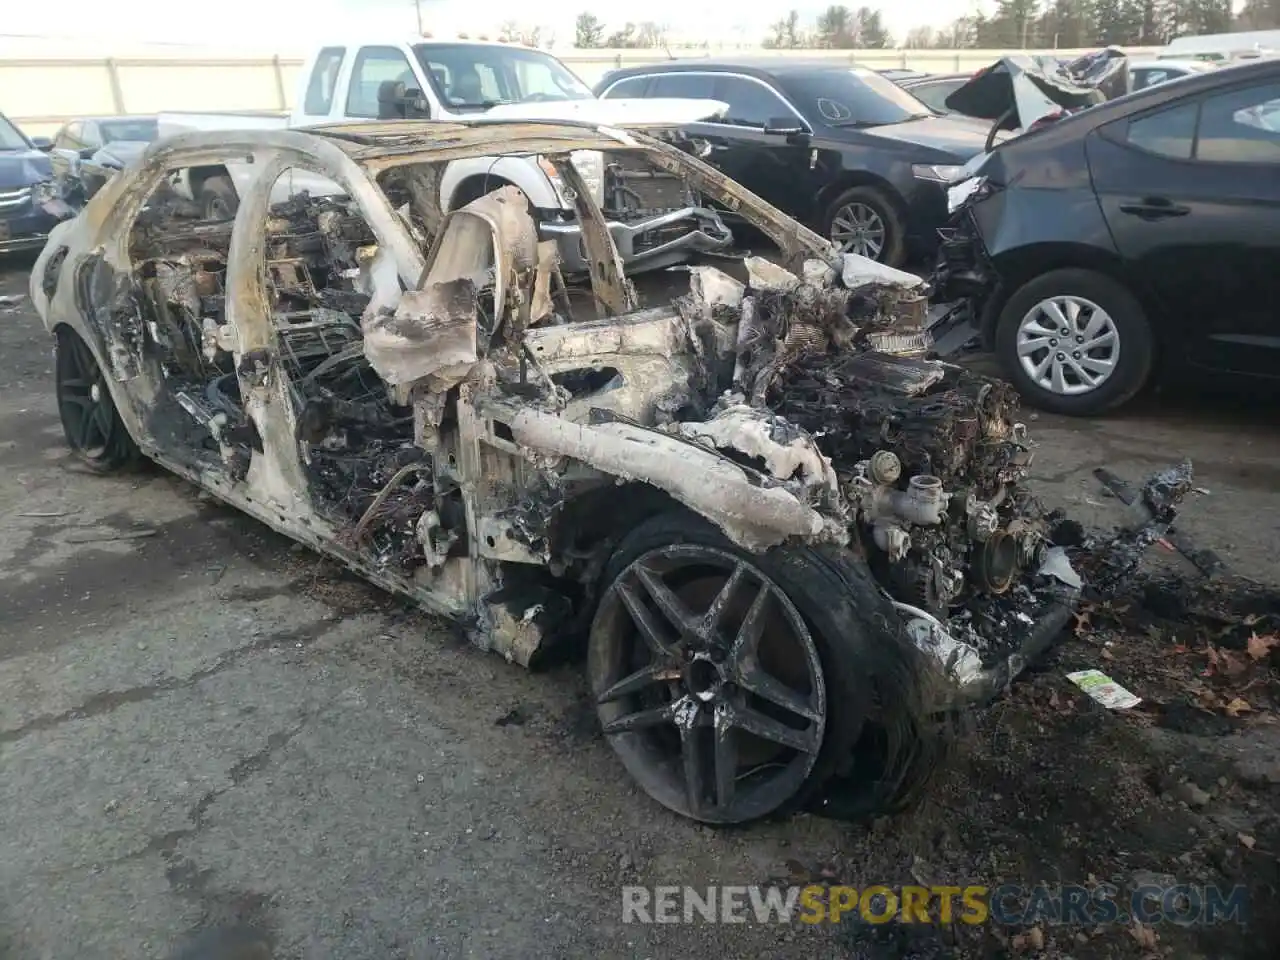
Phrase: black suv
pixel 23 167
pixel 1141 231
pixel 840 148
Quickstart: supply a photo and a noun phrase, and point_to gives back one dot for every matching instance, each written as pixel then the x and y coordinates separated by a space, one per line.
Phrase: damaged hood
pixel 120 153
pixel 959 136
pixel 616 113
pixel 1017 92
pixel 22 168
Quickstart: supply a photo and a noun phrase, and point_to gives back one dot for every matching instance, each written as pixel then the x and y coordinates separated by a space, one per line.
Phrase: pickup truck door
pixel 1191 193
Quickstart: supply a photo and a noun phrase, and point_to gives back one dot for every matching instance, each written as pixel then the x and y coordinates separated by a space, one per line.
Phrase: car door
pixel 762 142
pixel 1191 193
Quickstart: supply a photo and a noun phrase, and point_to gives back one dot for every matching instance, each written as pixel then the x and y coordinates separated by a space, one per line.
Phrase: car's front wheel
pixel 1075 342
pixel 90 421
pixel 864 221
pixel 731 685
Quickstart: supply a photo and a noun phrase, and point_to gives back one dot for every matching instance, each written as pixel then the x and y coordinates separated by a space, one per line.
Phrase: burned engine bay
pixel 448 436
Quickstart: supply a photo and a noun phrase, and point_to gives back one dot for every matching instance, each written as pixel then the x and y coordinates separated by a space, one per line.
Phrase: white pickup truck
pixel 655 222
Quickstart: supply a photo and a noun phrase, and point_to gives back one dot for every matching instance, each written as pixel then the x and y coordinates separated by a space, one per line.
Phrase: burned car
pixel 785 535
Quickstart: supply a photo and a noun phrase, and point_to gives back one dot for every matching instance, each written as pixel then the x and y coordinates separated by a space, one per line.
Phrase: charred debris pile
pixel 920 465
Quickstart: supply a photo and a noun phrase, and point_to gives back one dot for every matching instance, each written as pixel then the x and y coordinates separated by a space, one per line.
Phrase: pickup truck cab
pixel 654 223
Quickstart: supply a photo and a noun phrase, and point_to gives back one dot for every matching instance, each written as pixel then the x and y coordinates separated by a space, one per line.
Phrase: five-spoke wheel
pixel 90 421
pixel 708 682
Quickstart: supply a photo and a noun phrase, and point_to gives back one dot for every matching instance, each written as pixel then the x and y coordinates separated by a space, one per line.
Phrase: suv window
pixel 1169 133
pixel 934 95
pixel 373 67
pixel 696 86
pixel 1242 126
pixel 751 104
pixel 630 87
pixel 324 80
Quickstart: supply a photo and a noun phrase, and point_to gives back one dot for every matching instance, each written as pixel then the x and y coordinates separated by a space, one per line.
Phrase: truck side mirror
pixel 42 143
pixel 398 102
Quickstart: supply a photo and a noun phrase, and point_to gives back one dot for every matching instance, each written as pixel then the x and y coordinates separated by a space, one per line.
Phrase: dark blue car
pixel 23 167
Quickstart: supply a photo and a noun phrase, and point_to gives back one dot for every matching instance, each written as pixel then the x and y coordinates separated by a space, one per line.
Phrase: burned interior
pixel 434 401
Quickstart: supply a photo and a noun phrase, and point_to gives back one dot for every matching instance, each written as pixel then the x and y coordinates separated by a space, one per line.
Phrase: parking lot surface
pixel 202 725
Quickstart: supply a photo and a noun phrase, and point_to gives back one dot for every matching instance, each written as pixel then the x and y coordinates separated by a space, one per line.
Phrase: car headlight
pixel 937 172
pixel 44 191
pixel 959 193
pixel 590 166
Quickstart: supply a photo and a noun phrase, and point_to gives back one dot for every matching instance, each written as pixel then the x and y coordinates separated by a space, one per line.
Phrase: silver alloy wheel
pixel 857 228
pixel 1068 345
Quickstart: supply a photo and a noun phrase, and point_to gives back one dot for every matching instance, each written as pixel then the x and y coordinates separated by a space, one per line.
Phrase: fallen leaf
pixel 1246 841
pixel 1146 937
pixel 1223 661
pixel 1259 647
pixel 1236 707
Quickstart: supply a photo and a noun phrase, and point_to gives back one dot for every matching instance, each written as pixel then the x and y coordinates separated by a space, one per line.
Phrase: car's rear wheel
pixel 1075 342
pixel 731 685
pixel 864 221
pixel 90 421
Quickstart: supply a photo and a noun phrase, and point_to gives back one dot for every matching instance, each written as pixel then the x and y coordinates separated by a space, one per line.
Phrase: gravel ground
pixel 203 726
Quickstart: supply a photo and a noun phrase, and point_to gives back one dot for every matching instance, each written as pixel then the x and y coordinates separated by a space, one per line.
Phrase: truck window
pixel 479 76
pixel 374 66
pixel 324 80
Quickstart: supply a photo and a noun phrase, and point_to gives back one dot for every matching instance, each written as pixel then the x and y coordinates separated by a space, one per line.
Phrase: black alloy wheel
pixel 708 682
pixel 92 425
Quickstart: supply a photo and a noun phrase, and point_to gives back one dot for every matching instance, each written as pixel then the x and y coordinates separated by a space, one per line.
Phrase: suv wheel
pixel 1075 342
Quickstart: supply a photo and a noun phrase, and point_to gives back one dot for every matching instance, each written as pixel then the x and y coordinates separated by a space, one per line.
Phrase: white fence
pixel 41 93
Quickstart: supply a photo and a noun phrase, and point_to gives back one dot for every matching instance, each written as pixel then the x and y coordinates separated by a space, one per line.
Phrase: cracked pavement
pixel 202 725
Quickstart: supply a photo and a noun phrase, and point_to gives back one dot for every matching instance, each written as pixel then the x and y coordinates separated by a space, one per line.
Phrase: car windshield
pixel 10 137
pixel 479 76
pixel 855 97
pixel 114 130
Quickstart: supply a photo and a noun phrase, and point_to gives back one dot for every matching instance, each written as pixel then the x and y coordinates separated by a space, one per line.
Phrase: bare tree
pixel 589 32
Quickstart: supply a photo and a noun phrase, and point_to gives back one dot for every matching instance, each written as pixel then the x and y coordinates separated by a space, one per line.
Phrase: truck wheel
pixel 90 422
pixel 732 685
pixel 1075 342
pixel 218 198
pixel 864 221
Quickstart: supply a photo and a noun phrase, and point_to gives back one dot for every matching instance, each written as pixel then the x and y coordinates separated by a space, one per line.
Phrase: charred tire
pixel 91 423
pixel 864 219
pixel 669 708
pixel 1061 308
pixel 218 198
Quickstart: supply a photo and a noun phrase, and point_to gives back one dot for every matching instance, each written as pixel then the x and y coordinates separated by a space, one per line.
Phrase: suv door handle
pixel 1154 208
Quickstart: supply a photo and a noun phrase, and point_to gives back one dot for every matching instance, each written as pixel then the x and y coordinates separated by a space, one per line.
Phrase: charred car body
pixel 776 523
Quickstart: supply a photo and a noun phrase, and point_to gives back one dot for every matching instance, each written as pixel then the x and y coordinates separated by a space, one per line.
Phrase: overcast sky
pixel 292 24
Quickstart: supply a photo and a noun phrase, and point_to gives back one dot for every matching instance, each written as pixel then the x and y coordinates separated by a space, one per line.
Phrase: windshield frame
pixel 502 59
pixel 899 104
pixel 20 141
